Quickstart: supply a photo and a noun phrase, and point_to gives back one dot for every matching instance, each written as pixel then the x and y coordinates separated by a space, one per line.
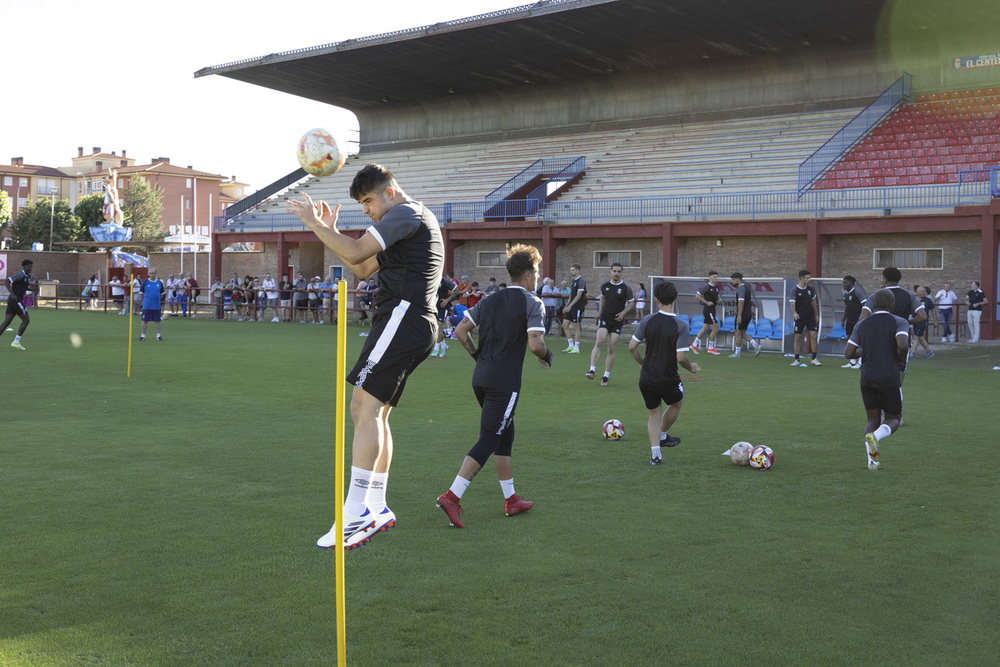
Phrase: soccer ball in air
pixel 319 153
pixel 761 457
pixel 740 453
pixel 613 430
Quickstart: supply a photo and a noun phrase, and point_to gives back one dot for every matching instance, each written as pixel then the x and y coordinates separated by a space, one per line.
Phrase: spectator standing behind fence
pixel 271 293
pixel 327 288
pixel 194 292
pixel 475 294
pixel 315 301
pixel 172 297
pixel 182 293
pixel 463 291
pixel 300 298
pixel 640 303
pixel 117 294
pixel 550 297
pixel 945 300
pixel 976 299
pixel 217 289
pixel 136 295
pixel 285 297
pixel 239 302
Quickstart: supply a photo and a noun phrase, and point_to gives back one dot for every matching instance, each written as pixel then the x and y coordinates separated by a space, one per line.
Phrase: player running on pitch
pixel 508 320
pixel 17 285
pixel 616 302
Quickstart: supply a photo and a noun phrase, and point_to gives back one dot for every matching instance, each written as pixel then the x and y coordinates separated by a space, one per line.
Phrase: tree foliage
pixel 143 205
pixel 5 209
pixel 88 209
pixel 34 220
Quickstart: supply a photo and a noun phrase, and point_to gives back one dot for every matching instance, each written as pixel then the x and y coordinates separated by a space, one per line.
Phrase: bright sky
pixel 121 77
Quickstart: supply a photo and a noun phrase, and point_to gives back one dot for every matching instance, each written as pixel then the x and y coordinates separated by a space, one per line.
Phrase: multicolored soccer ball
pixel 319 153
pixel 740 453
pixel 761 457
pixel 614 430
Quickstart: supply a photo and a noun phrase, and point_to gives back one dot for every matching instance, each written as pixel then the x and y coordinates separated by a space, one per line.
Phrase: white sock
pixel 656 451
pixel 664 435
pixel 437 347
pixel 577 346
pixel 607 375
pixel 593 369
pixel 357 493
pixel 376 491
pixel 459 486
pixel 881 432
pixel 17 339
pixel 571 342
pixel 508 487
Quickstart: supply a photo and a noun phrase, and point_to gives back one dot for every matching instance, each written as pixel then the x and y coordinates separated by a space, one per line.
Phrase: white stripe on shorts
pixel 506 413
pixel 387 335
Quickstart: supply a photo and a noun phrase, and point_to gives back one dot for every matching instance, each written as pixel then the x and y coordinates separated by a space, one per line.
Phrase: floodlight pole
pixel 52 218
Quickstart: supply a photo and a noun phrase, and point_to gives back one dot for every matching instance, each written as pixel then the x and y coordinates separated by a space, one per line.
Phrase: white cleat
pixel 358 531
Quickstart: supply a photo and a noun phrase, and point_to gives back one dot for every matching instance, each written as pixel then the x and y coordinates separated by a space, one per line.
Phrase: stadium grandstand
pixel 674 136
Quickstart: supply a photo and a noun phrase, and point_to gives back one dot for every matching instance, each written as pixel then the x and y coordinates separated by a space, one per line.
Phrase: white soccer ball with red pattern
pixel 740 453
pixel 761 457
pixel 319 154
pixel 614 430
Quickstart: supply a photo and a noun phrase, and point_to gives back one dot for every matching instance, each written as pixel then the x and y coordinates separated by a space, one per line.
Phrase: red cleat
pixel 449 503
pixel 516 504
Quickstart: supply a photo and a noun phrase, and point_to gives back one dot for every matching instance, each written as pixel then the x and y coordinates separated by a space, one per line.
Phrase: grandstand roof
pixel 555 42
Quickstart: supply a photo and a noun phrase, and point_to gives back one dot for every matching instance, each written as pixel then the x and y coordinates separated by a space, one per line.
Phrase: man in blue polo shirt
pixel 153 292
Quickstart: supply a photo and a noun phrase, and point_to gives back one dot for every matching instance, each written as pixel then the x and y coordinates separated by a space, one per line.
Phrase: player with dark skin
pixel 17 285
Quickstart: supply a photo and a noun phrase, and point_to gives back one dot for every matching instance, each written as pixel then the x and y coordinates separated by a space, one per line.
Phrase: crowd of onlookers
pixel 246 299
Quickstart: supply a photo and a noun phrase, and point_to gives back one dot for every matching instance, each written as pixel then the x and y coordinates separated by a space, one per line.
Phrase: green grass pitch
pixel 170 518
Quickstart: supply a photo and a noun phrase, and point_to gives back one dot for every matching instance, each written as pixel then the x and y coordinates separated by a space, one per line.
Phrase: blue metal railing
pixel 534 170
pixel 856 129
pixel 975 186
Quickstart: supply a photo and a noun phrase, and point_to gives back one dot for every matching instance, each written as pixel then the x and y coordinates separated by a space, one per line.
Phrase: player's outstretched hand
pixel 316 215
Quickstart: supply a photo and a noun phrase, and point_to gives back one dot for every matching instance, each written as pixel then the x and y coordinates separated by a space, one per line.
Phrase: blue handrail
pixel 540 194
pixel 856 129
pixel 264 193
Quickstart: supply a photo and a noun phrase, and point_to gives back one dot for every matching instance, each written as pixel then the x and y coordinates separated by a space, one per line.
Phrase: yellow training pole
pixel 339 468
pixel 131 300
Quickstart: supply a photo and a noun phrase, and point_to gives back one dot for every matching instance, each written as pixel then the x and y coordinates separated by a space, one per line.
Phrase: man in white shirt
pixel 118 295
pixel 944 299
pixel 271 293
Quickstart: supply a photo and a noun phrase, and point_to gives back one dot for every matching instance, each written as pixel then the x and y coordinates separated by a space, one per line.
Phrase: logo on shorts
pixel 363 374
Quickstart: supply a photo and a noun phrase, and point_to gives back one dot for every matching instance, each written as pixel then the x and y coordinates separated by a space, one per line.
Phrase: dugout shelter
pixel 671 136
